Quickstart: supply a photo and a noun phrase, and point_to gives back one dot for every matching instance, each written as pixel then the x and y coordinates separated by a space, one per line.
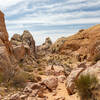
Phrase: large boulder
pixel 17 49
pixel 70 82
pixel 51 83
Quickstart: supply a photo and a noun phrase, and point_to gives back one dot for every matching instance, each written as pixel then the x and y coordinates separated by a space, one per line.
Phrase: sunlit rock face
pixel 3 31
pixel 25 44
pixel 7 59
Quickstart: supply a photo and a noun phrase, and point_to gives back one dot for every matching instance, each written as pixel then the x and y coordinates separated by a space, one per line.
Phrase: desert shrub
pixel 21 65
pixel 85 84
pixel 41 73
pixel 96 57
pixel 27 68
pixel 39 69
pixel 31 77
pixel 1 77
pixel 6 74
pixel 19 80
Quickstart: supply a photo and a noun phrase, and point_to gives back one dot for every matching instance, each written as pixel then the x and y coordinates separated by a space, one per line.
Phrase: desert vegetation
pixel 85 85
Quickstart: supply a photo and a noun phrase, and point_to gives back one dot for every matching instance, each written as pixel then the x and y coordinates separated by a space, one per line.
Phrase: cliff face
pixel 3 31
pixel 7 58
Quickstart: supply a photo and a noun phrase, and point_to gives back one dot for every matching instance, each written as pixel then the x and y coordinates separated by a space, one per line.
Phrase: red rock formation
pixel 7 59
pixel 3 31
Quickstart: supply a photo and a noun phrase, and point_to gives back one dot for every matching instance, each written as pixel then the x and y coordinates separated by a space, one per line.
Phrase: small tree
pixel 85 84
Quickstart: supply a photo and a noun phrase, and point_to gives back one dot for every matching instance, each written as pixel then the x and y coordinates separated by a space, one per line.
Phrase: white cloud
pixel 45 13
pixel 8 3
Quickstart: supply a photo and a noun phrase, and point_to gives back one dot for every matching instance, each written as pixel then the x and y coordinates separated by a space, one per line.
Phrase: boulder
pixel 22 49
pixel 81 70
pixel 70 82
pixel 51 83
pixel 93 70
pixel 61 78
pixel 19 49
pixel 15 97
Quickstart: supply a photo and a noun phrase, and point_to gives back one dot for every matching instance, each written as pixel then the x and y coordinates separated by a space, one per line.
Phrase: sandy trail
pixel 60 92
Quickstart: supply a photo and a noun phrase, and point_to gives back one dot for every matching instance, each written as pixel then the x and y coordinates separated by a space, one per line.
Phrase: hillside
pixel 81 42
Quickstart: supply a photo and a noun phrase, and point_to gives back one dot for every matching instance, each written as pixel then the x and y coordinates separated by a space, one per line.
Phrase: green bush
pixel 85 84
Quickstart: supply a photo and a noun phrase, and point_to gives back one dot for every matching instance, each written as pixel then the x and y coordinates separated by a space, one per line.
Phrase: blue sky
pixel 50 18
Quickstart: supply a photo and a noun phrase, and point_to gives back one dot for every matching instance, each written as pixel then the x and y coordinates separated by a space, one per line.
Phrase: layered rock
pixel 3 31
pixel 8 63
pixel 46 45
pixel 5 45
pixel 24 44
pixel 29 41
pixel 44 48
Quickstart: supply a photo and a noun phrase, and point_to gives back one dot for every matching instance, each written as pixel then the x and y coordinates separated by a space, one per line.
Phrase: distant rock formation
pixel 45 47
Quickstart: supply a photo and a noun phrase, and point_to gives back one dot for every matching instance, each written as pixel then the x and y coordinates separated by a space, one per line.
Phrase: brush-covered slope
pixel 85 42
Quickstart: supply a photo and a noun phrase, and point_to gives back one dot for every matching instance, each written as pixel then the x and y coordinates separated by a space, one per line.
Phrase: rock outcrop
pixel 70 82
pixel 83 70
pixel 7 60
pixel 3 31
pixel 44 48
pixel 81 43
pixel 24 44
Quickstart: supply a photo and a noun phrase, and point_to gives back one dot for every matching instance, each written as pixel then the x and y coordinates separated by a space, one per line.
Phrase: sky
pixel 50 18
